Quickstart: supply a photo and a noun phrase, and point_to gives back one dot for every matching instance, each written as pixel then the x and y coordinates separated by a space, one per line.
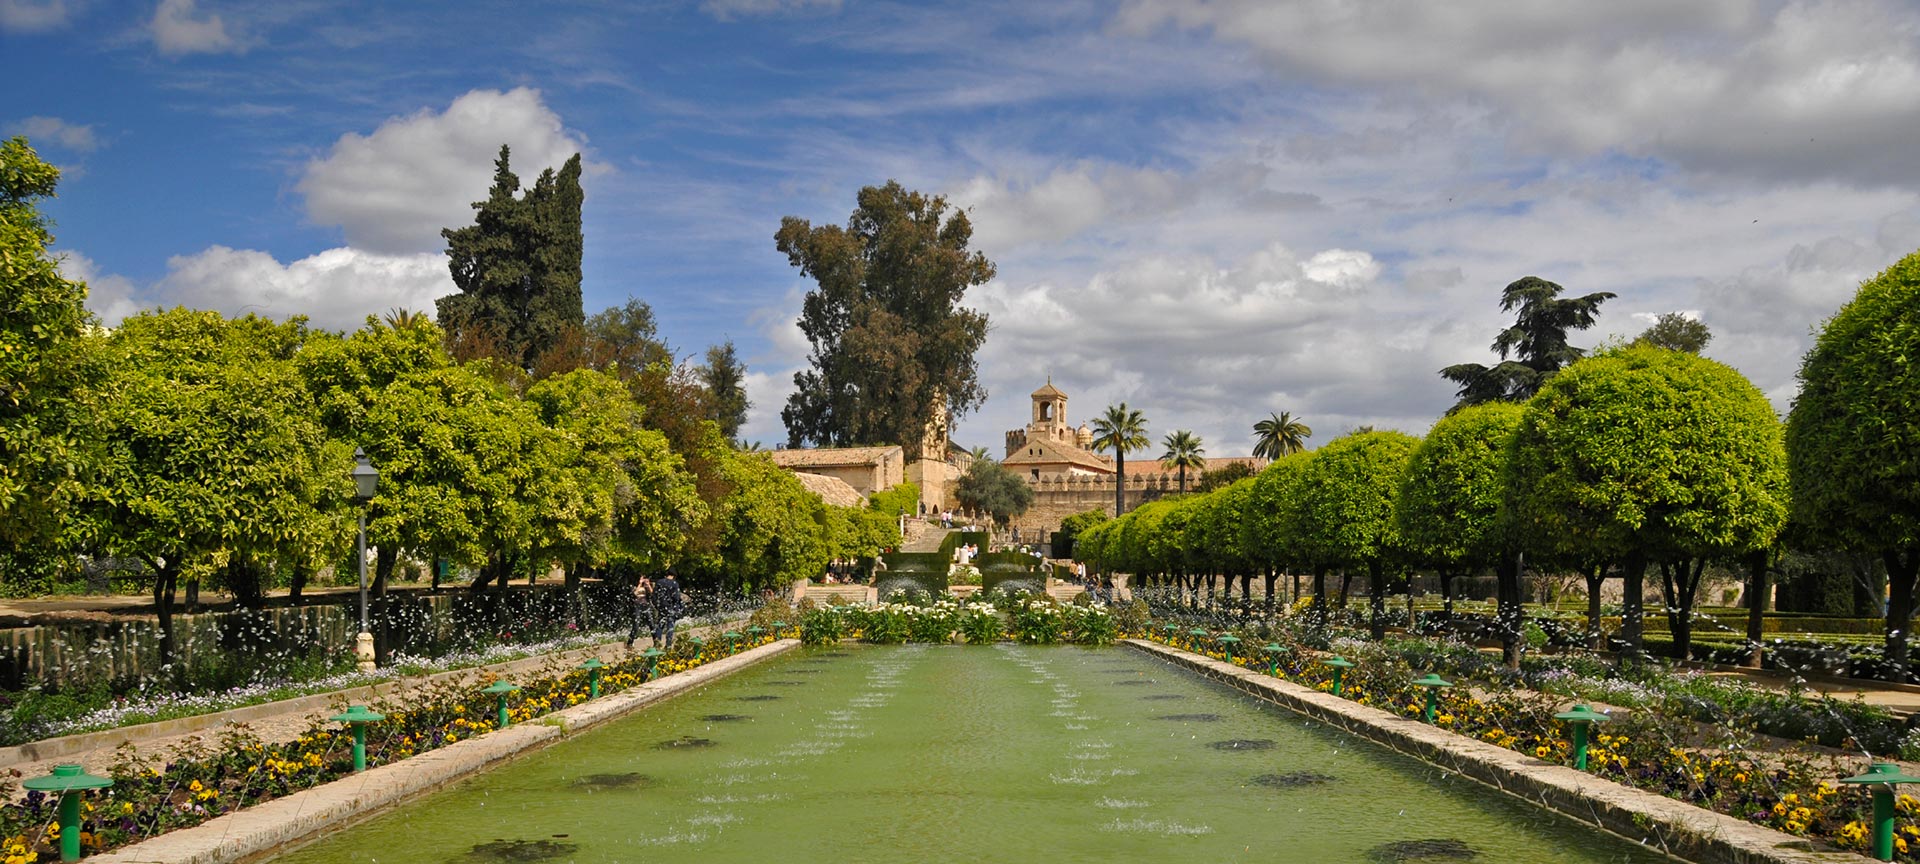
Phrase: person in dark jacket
pixel 669 605
pixel 641 609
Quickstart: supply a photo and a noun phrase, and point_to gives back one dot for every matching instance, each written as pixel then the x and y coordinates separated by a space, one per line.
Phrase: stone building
pixel 1067 477
pixel 866 469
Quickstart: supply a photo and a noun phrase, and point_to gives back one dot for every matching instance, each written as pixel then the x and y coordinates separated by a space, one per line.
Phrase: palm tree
pixel 1121 429
pixel 1183 452
pixel 1280 435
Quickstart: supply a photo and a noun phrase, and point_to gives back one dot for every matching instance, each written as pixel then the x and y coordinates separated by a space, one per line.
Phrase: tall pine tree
pixel 517 268
pixel 726 380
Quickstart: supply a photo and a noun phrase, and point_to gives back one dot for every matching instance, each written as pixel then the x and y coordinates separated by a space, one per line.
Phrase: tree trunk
pixel 164 577
pixel 1446 595
pixel 575 607
pixel 1319 607
pixel 1119 482
pixel 1246 595
pixel 383 561
pixel 296 583
pixel 1757 606
pixel 1680 583
pixel 1901 569
pixel 1346 586
pixel 1271 578
pixel 1377 603
pixel 1408 580
pixel 1596 581
pixel 1509 613
pixel 193 595
pixel 1210 591
pixel 1633 583
pixel 1296 588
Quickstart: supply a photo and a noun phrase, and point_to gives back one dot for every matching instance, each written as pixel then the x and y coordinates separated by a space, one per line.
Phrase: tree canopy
pixel 1676 332
pixel 1121 430
pixel 1184 452
pixel 988 487
pixel 891 344
pixel 726 380
pixel 1853 437
pixel 517 268
pixel 1448 510
pixel 1642 454
pixel 1279 435
pixel 46 367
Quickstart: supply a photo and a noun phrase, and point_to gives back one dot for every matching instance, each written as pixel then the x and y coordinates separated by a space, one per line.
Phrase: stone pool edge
pixel 255 832
pixel 1676 828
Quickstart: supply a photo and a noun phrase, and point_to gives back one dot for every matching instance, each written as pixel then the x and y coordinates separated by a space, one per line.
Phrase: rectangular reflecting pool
pixel 965 754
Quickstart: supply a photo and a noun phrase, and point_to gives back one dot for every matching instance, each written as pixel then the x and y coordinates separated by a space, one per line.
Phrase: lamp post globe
pixel 365 479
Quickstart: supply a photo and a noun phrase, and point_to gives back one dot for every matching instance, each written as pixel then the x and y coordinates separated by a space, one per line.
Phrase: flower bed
pixel 1727 767
pixel 154 794
pixel 1030 619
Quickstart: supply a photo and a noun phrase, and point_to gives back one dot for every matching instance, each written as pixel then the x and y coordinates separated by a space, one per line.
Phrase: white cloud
pixel 337 288
pixel 32 16
pixel 728 10
pixel 393 190
pixel 111 297
pixel 178 30
pixel 72 136
pixel 1802 89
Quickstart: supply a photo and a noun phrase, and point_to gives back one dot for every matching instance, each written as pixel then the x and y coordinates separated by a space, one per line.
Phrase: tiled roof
pixel 1056 452
pixel 833 457
pixel 1048 390
pixel 832 490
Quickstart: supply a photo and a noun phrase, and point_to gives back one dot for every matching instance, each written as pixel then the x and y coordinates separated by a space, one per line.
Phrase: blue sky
pixel 1211 209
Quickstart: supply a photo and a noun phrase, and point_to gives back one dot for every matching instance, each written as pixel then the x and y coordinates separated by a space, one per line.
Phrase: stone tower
pixel 1049 421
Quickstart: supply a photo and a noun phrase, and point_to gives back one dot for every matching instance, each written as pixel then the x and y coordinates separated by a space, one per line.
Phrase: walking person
pixel 641 608
pixel 668 607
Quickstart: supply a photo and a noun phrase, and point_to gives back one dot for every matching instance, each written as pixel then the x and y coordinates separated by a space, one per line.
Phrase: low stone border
pixel 255 832
pixel 1672 827
pixel 49 749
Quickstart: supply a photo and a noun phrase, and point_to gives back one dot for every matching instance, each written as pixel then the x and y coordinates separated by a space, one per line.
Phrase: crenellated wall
pixel 1056 498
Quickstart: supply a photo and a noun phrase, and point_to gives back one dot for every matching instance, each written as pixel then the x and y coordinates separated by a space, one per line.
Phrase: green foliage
pixel 1224 475
pixel 1270 531
pixel 1648 451
pixel 517 268
pixel 1448 508
pixel 1346 496
pixel 47 363
pixel 213 448
pixel 725 378
pixel 1538 338
pixel 988 487
pixel 892 346
pixel 1676 332
pixel 771 531
pixel 901 500
pixel 1121 430
pixel 1853 438
pixel 862 532
pixel 1071 528
pixel 1280 435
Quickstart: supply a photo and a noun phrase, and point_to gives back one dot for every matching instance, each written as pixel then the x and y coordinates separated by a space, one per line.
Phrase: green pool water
pixel 965 754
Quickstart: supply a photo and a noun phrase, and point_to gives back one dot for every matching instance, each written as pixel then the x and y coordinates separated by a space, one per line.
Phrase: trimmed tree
pixel 1346 507
pixel 1448 510
pixel 1853 439
pixel 1644 455
pixel 1269 532
pixel 988 487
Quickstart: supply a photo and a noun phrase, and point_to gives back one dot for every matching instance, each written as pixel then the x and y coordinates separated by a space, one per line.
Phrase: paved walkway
pixel 927 541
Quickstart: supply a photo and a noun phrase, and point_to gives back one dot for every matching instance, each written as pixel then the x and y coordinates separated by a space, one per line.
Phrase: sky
pixel 1209 209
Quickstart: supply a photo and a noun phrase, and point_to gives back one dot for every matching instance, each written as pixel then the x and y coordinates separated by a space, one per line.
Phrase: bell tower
pixel 1050 415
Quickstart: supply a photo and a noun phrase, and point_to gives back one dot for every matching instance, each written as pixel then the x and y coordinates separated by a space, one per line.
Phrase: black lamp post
pixel 364 481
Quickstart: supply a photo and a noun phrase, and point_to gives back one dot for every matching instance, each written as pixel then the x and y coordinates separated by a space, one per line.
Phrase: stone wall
pixel 1056 498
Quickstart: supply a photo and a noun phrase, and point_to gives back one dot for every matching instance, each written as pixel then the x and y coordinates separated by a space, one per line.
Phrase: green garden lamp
pixel 500 689
pixel 357 717
pixel 699 645
pixel 1581 718
pixel 1274 652
pixel 1881 777
pixel 753 633
pixel 779 627
pixel 653 656
pixel 1172 631
pixel 733 640
pixel 1230 641
pixel 1339 665
pixel 1433 683
pixel 68 781
pixel 1198 634
pixel 592 668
